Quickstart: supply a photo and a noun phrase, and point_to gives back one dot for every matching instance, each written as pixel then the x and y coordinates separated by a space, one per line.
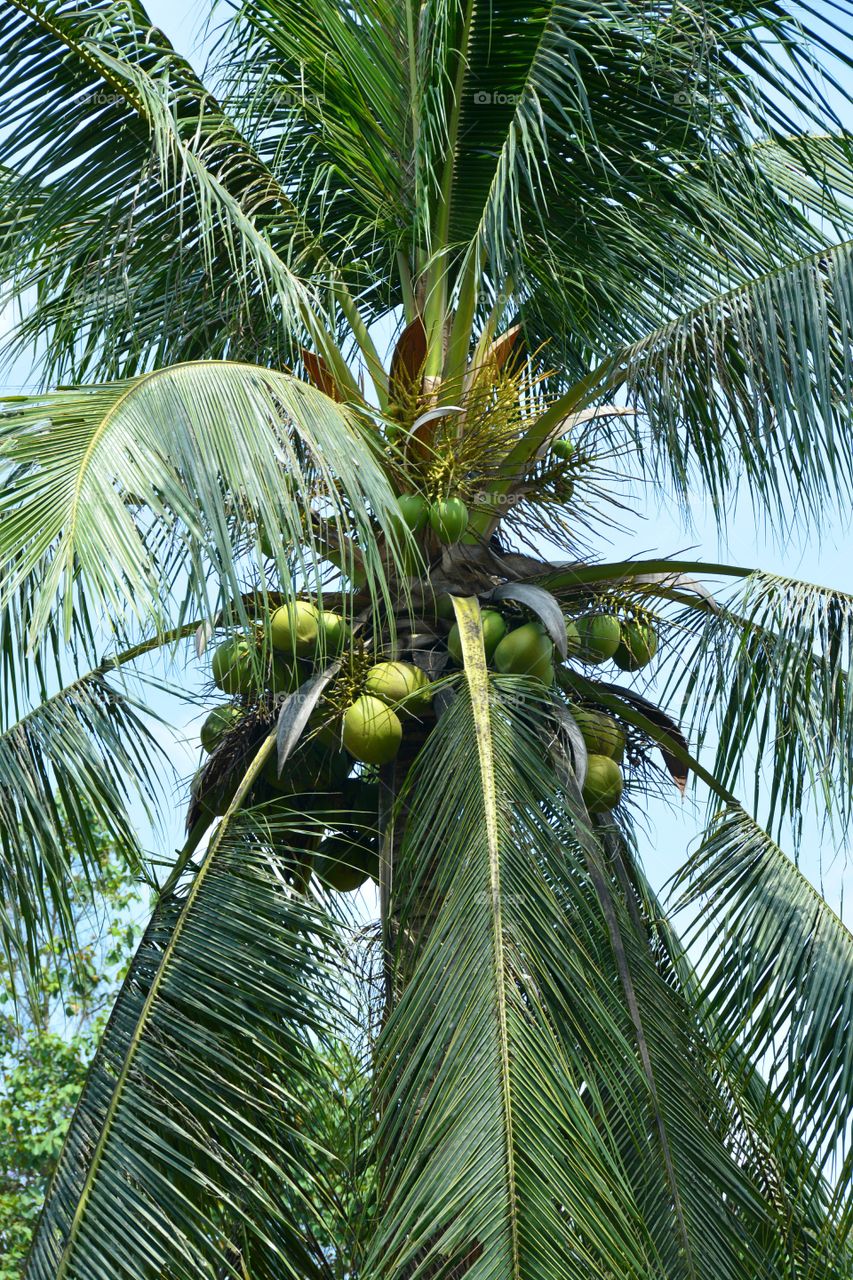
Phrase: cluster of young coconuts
pixel 368 732
pixel 448 517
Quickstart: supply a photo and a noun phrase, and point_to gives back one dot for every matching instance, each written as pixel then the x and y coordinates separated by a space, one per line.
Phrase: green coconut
pixel 494 630
pixel 449 519
pixel 602 788
pixel 573 639
pixel 638 646
pixel 326 726
pixel 232 667
pixel 444 608
pixel 414 509
pixel 284 674
pixel 344 864
pixel 601 733
pixel 563 448
pixel 399 682
pixel 294 628
pixel 372 732
pixel 312 767
pixel 600 635
pixel 360 801
pixel 526 651
pixel 333 632
pixel 220 722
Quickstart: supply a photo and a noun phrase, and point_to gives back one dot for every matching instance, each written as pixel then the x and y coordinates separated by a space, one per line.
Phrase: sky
pixel 670 829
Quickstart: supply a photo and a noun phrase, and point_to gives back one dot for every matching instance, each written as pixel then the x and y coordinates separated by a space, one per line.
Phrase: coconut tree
pixel 598 240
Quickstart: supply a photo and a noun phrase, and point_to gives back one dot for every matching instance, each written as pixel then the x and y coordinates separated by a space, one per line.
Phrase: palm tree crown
pixel 604 236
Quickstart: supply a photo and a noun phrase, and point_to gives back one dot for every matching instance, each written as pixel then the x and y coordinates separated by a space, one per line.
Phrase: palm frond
pixel 769 674
pixel 69 767
pixel 770 1143
pixel 179 240
pixel 572 188
pixel 489 1158
pixel 751 388
pixel 511 1025
pixel 324 93
pixel 776 971
pixel 189 1131
pixel 761 668
pixel 123 488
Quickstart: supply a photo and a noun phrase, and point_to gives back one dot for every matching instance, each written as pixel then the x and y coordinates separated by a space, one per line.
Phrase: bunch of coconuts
pixel 369 731
pixel 371 728
pixel 527 649
pixel 447 517
pixel 597 637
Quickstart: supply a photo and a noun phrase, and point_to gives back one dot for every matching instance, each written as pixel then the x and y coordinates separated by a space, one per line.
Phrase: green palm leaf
pixel 510 956
pixel 770 1142
pixel 776 971
pixel 324 96
pixel 167 441
pixel 474 1172
pixel 194 228
pixel 188 1132
pixel 69 767
pixel 768 395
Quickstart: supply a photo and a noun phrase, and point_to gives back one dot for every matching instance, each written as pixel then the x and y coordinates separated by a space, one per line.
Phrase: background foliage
pixel 48 1035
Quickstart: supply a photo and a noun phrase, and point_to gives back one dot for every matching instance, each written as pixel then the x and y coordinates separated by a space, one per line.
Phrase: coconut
pixel 372 732
pixel 601 733
pixel 494 630
pixel 399 682
pixel 294 627
pixel 449 519
pixel 311 767
pixel 563 448
pixel 527 650
pixel 326 726
pixel 284 675
pixel 573 639
pixel 344 864
pixel 231 666
pixel 546 673
pixel 360 801
pixel 638 646
pixel 602 788
pixel 414 509
pixel 600 634
pixel 220 722
pixel 333 631
pixel 444 608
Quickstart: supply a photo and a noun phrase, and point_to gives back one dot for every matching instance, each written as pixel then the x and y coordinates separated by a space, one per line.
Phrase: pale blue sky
pixel 828 560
